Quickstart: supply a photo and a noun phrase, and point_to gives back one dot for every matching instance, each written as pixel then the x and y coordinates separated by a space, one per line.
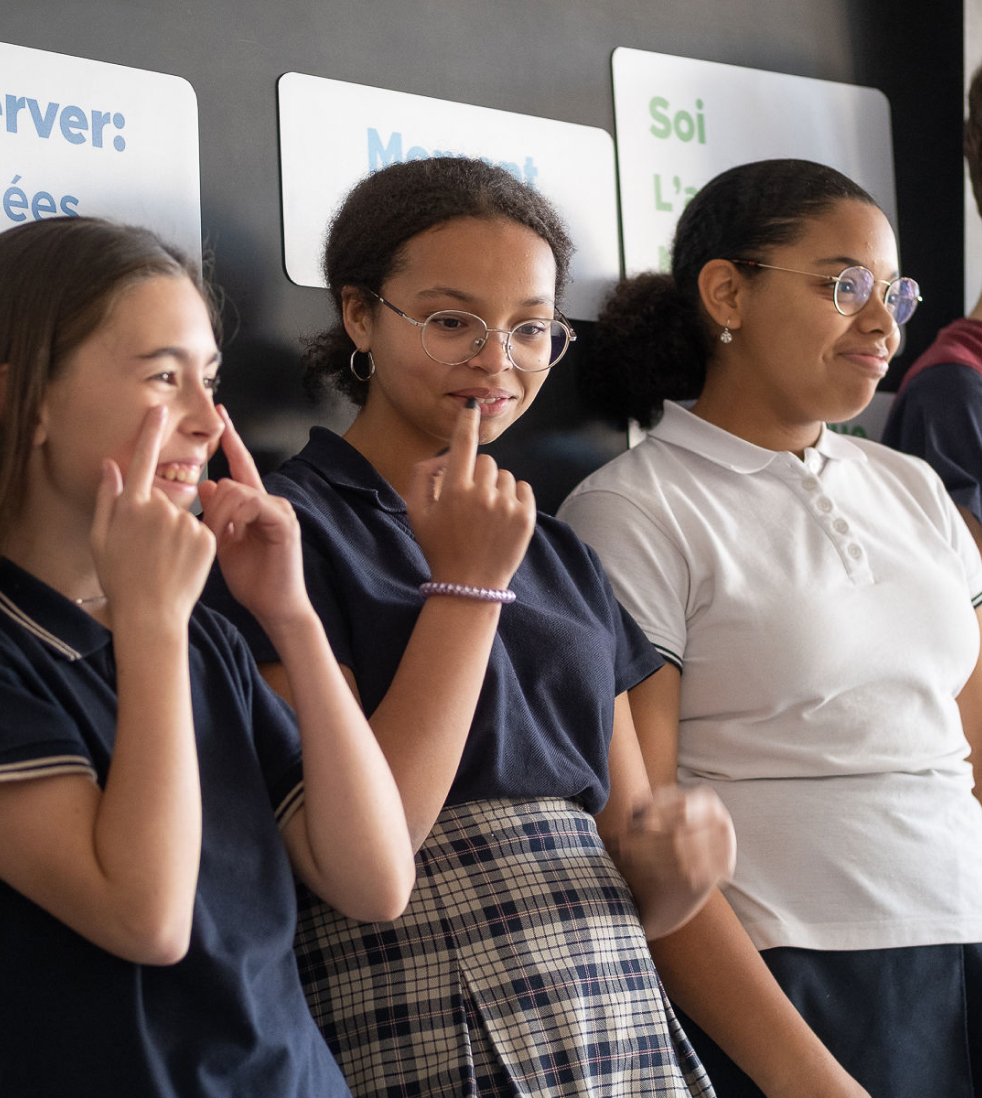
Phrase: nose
pixel 200 417
pixel 493 358
pixel 875 316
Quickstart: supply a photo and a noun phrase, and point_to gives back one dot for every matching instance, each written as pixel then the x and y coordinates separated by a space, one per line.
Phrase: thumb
pixel 427 479
pixel 206 492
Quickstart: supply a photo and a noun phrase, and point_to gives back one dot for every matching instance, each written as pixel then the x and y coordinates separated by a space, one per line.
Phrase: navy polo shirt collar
pixel 45 613
pixel 343 467
pixel 684 429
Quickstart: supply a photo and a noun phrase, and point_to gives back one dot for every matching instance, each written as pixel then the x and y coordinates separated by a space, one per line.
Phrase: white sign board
pixel 680 122
pixel 81 137
pixel 333 133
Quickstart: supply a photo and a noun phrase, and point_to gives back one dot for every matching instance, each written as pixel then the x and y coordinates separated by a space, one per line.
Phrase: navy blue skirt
pixel 906 1023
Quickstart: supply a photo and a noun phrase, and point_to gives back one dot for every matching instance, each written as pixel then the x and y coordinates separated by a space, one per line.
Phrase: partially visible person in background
pixel 938 411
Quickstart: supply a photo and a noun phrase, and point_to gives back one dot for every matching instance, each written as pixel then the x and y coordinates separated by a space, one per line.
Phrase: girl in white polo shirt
pixel 815 595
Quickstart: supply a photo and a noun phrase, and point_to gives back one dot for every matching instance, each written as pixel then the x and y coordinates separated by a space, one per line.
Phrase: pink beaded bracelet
pixel 483 594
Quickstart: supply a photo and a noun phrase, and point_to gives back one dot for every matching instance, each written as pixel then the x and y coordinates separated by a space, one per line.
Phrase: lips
pixel 490 402
pixel 484 396
pixel 875 360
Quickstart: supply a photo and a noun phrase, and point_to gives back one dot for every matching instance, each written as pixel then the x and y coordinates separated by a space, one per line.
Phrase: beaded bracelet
pixel 483 594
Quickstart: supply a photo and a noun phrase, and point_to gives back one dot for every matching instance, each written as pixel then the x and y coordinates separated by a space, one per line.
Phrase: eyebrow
pixel 178 353
pixel 849 261
pixel 469 299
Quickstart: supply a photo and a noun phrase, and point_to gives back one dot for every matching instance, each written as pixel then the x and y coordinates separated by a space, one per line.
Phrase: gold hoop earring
pixel 371 365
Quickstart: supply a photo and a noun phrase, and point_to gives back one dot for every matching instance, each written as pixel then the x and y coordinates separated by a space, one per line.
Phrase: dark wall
pixel 542 57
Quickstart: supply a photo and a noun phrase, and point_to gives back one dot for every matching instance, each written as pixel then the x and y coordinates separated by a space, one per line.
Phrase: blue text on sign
pixel 20 113
pixel 381 155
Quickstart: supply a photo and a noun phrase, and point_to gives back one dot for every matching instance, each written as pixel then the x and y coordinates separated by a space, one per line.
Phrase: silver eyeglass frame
pixel 506 332
pixel 838 278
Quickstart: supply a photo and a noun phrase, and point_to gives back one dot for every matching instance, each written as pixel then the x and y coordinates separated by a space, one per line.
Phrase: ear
pixel 722 289
pixel 41 427
pixel 357 316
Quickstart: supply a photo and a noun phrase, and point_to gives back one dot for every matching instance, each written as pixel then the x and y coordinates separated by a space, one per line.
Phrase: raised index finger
pixel 463 445
pixel 241 467
pixel 143 464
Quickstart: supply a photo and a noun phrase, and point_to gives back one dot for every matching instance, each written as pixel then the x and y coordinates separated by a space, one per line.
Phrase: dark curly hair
pixel 972 143
pixel 653 340
pixel 58 280
pixel 386 210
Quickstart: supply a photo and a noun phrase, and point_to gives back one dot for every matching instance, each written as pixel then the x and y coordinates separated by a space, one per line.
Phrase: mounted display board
pixel 332 133
pixel 80 137
pixel 680 122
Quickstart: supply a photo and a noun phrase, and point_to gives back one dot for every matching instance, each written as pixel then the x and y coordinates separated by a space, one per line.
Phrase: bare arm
pixel 673 847
pixel 348 841
pixel 973 524
pixel 474 523
pixel 712 969
pixel 120 866
pixel 970 707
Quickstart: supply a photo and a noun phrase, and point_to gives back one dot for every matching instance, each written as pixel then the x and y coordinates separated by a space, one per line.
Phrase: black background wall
pixel 542 57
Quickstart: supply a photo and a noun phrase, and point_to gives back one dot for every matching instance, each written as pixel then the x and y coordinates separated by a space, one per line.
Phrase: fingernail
pixel 471 402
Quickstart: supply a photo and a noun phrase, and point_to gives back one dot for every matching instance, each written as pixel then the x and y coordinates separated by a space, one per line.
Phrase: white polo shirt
pixel 822 613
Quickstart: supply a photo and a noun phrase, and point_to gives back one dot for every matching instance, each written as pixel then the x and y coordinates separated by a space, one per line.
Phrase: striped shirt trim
pixel 13 611
pixel 42 768
pixel 670 657
pixel 977 600
pixel 289 806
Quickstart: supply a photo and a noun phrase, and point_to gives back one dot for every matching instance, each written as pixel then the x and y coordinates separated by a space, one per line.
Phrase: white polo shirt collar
pixel 681 428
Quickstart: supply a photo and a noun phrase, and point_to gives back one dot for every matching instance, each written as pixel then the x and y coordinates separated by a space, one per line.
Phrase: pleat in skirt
pixel 519 968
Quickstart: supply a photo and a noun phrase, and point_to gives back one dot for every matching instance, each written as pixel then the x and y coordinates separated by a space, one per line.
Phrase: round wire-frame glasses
pixel 454 336
pixel 854 286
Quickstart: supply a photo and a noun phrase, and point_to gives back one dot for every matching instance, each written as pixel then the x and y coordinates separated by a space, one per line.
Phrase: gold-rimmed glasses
pixel 854 286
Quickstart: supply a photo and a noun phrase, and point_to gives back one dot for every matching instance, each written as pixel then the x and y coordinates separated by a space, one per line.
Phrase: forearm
pixel 355 851
pixel 716 975
pixel 424 719
pixel 147 827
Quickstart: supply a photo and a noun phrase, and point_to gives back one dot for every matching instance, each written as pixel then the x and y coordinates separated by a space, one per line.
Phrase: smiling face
pixel 497 269
pixel 155 346
pixel 794 361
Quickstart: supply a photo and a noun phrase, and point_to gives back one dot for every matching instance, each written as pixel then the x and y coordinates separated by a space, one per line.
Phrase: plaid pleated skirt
pixel 519 968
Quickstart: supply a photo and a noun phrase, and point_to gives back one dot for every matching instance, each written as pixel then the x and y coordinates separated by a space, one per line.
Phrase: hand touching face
pixel 155 348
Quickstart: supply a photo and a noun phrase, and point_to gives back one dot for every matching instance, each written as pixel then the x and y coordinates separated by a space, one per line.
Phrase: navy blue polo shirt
pixel 562 652
pixel 230 1018
pixel 938 417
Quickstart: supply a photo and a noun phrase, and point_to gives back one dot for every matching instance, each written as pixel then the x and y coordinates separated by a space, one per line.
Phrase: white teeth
pixel 181 475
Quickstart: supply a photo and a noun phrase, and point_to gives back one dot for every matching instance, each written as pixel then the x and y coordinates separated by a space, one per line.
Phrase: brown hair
pixel 653 341
pixel 58 280
pixel 386 210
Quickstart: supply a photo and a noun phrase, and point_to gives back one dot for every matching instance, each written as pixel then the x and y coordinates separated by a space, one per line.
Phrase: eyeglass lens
pixel 856 284
pixel 453 337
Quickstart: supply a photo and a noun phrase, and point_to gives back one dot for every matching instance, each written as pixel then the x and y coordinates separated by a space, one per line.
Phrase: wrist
pixel 293 628
pixel 501 595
